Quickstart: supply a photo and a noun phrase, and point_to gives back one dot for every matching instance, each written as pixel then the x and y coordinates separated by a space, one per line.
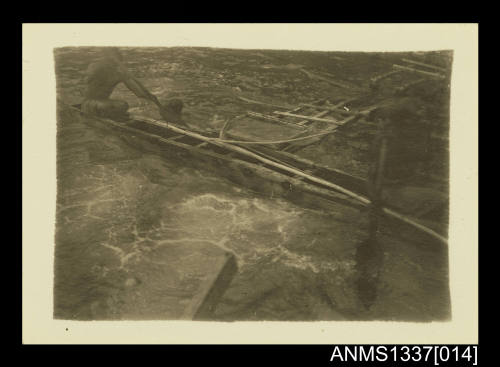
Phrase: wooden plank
pixel 329 108
pixel 289 108
pixel 320 114
pixel 289 145
pixel 296 146
pixel 302 106
pixel 311 118
pixel 426 65
pixel 334 108
pixel 203 304
pixel 364 112
pixel 401 67
pixel 275 119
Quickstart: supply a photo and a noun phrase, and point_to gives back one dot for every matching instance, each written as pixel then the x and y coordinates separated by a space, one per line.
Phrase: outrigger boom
pixel 281 166
pixel 361 199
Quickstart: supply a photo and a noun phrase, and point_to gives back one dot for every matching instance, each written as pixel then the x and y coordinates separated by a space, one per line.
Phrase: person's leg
pixel 116 109
pixel 109 108
pixel 90 107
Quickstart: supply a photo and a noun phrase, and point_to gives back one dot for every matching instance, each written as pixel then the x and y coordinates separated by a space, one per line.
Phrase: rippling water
pixel 124 214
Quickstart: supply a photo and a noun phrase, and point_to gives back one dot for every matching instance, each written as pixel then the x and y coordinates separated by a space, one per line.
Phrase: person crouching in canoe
pixel 102 78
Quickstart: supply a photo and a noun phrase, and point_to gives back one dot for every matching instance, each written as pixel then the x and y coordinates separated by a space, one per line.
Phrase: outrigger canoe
pixel 261 169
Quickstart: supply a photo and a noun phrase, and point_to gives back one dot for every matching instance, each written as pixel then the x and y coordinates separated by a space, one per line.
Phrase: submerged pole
pixel 376 195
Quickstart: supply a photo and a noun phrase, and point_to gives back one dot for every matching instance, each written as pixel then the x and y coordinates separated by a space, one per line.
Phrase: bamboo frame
pixel 363 200
pixel 276 119
pixel 311 118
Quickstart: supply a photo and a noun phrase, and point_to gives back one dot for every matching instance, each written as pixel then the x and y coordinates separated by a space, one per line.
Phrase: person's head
pixel 175 105
pixel 113 53
pixel 172 110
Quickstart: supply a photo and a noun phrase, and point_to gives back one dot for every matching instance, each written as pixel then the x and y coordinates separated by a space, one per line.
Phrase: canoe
pixel 261 169
pixel 269 172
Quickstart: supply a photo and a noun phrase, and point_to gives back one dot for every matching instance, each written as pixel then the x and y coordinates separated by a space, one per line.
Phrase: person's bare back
pixel 102 78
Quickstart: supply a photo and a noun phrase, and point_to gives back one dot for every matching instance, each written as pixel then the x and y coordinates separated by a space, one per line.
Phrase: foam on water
pixel 250 228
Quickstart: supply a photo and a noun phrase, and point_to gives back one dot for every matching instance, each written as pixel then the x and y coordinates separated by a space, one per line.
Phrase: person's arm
pixel 136 87
pixel 140 91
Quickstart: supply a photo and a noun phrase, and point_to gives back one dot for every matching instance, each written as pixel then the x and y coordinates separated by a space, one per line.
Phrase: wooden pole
pixel 377 78
pixel 222 133
pixel 320 114
pixel 276 119
pixel 330 81
pixel 360 198
pixel 256 156
pixel 312 118
pixel 248 100
pixel 327 108
pixel 426 65
pixel 437 75
pixel 204 303
pixel 375 209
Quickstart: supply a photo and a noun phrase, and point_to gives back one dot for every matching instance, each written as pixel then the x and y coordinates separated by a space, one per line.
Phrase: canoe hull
pixel 240 170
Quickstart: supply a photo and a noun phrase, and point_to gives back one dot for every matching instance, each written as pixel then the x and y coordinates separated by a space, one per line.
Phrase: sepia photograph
pixel 229 184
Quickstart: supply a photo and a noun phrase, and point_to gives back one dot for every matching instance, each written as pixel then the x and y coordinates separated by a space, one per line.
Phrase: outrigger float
pixel 253 164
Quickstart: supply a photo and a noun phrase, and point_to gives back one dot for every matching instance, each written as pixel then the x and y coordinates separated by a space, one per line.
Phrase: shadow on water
pixel 369 262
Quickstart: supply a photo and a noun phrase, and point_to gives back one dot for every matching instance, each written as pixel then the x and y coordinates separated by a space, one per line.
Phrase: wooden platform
pixel 294 122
